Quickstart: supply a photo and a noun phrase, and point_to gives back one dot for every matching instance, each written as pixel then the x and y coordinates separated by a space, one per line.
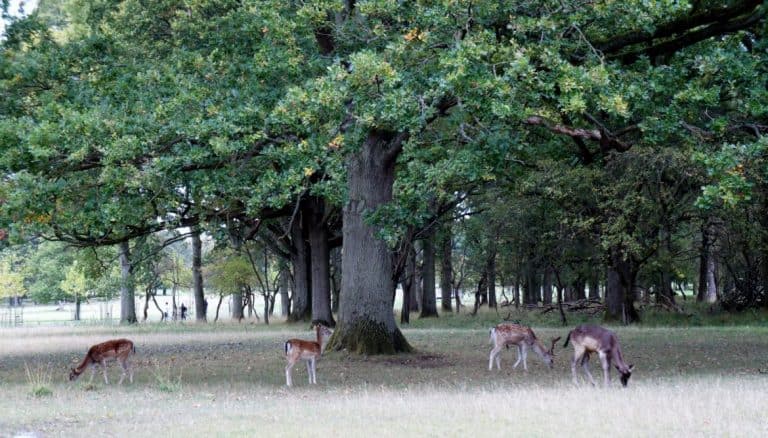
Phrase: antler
pixel 552 348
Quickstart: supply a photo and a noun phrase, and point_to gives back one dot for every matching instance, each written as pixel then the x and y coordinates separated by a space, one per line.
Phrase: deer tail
pixel 567 339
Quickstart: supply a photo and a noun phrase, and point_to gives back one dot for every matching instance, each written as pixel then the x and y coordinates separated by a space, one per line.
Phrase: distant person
pixel 165 314
pixel 183 312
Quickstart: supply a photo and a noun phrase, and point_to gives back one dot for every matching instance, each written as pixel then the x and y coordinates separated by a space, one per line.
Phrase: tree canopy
pixel 593 124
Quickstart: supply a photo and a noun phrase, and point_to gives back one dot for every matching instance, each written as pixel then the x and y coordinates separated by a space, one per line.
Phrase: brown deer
pixel 589 339
pixel 297 349
pixel 506 334
pixel 99 354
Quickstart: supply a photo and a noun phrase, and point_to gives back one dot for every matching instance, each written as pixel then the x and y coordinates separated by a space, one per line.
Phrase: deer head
pixel 626 375
pixel 549 356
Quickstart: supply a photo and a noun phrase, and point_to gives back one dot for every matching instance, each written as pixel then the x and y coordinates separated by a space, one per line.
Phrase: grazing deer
pixel 296 349
pixel 506 334
pixel 589 339
pixel 99 354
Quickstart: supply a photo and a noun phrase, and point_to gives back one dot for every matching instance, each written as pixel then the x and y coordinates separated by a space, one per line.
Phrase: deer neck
pixel 538 348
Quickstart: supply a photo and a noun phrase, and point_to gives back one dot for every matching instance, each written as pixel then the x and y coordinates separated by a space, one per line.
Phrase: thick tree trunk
pixel 446 270
pixel 366 321
pixel 710 295
pixel 127 287
pixel 428 295
pixel 416 290
pixel 547 287
pixel 490 269
pixel 532 293
pixel 237 305
pixel 285 303
pixel 594 286
pixel 301 307
pixel 201 306
pixel 664 291
pixel 619 290
pixel 707 284
pixel 410 299
pixel 335 279
pixel 579 289
pixel 409 277
pixel 320 265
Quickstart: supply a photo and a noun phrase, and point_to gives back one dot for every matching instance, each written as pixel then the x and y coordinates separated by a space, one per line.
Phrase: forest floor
pixel 228 379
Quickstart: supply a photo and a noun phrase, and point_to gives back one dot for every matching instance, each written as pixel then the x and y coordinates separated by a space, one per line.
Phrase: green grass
pixel 228 379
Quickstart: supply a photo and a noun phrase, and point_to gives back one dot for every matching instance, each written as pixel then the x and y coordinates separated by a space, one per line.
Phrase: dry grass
pixel 229 381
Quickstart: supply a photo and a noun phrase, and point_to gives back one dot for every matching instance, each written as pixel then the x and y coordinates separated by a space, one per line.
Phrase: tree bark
pixel 594 286
pixel 416 289
pixel 237 304
pixel 320 265
pixel 490 269
pixel 532 293
pixel 446 270
pixel 707 283
pixel 201 306
pixel 407 283
pixel 428 294
pixel 77 307
pixel 285 303
pixel 366 321
pixel 665 293
pixel 547 286
pixel 301 307
pixel 127 287
pixel 335 279
pixel 619 290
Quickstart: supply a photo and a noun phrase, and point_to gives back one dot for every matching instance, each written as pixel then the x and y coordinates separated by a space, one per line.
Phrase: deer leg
pixel 524 350
pixel 494 355
pixel 288 368
pixel 124 365
pixel 314 371
pixel 309 370
pixel 585 366
pixel 104 368
pixel 93 373
pixel 578 353
pixel 606 363
pixel 519 356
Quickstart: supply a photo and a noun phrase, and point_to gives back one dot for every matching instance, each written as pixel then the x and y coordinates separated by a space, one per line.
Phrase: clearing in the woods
pixel 228 379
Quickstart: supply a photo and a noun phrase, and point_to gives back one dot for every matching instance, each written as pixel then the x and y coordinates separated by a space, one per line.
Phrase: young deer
pixel 506 334
pixel 99 354
pixel 594 339
pixel 297 349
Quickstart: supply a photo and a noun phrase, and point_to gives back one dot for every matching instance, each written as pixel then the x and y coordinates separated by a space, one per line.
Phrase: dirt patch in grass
pixel 420 361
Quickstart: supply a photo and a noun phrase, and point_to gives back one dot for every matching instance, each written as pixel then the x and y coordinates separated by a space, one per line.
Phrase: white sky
pixel 29 6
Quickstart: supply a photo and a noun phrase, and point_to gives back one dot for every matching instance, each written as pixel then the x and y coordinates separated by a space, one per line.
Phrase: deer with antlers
pixel 100 354
pixel 298 349
pixel 506 334
pixel 589 339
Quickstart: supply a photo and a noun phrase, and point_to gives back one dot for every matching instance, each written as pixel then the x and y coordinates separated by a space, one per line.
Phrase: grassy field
pixel 228 379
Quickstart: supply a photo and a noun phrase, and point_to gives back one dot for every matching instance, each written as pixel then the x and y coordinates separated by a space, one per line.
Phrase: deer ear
pixel 631 367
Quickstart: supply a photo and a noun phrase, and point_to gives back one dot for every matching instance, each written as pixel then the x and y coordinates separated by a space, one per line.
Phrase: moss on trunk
pixel 368 337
